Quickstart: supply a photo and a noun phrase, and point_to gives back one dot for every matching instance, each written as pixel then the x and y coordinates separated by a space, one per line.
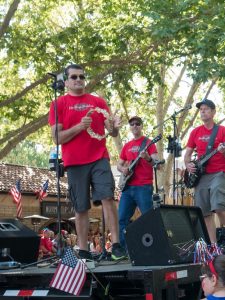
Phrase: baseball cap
pixel 207 102
pixel 135 118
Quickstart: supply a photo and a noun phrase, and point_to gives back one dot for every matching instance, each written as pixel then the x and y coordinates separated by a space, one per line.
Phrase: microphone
pixel 189 106
pixel 159 162
pixel 52 74
pixel 58 81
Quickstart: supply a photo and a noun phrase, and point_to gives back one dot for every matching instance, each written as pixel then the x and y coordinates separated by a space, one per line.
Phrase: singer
pixel 139 186
pixel 85 157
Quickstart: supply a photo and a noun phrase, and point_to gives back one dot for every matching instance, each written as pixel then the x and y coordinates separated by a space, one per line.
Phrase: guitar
pixel 125 178
pixel 192 179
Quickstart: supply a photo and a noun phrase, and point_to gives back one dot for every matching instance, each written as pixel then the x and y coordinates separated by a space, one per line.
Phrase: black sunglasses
pixel 135 123
pixel 74 77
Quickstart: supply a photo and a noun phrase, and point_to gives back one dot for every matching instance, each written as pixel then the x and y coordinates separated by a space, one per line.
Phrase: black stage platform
pixel 122 280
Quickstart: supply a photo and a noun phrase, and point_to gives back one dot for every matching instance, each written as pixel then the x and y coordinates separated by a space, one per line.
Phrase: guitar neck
pixel 208 156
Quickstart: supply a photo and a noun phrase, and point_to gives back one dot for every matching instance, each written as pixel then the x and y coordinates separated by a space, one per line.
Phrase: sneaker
pixel 84 254
pixel 118 253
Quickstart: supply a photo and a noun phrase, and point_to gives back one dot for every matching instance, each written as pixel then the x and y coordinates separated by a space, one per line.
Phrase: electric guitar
pixel 192 179
pixel 125 178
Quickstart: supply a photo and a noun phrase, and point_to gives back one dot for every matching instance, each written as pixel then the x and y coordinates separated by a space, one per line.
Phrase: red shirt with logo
pixel 83 148
pixel 199 139
pixel 143 171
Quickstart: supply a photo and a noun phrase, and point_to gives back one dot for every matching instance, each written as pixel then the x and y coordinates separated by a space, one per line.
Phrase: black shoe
pixel 118 253
pixel 84 254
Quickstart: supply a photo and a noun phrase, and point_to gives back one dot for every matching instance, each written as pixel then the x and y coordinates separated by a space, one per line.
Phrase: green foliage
pixel 29 153
pixel 123 45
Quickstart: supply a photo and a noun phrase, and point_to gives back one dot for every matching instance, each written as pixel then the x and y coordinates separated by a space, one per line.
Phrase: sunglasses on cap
pixel 202 277
pixel 74 77
pixel 135 123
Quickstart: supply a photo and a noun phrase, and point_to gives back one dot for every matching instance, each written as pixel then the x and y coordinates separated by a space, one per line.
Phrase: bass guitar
pixel 192 179
pixel 124 179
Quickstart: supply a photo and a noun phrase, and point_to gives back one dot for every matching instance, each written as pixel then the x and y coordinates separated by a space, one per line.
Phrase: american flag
pixel 42 192
pixel 70 274
pixel 15 191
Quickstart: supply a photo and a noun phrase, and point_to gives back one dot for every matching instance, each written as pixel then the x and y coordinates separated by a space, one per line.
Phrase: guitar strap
pixel 143 144
pixel 211 140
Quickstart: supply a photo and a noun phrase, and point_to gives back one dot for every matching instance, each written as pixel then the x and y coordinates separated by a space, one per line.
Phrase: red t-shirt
pixel 82 149
pixel 143 171
pixel 47 243
pixel 199 139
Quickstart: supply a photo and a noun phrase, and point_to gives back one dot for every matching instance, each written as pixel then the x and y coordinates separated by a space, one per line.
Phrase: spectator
pixel 213 279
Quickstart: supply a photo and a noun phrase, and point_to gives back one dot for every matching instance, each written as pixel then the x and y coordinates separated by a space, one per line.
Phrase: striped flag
pixel 70 274
pixel 42 192
pixel 15 191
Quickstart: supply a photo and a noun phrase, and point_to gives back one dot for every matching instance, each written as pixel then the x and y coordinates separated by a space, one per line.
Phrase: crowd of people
pixel 49 243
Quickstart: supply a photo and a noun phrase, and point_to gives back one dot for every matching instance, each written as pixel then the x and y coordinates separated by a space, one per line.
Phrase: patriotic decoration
pixel 15 191
pixel 70 274
pixel 204 253
pixel 42 192
pixel 26 293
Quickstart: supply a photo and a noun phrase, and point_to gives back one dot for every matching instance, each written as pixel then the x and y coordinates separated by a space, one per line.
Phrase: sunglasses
pixel 135 123
pixel 202 277
pixel 74 77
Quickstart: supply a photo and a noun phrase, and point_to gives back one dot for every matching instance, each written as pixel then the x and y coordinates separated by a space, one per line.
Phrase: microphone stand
pixel 57 85
pixel 174 160
pixel 156 198
pixel 174 146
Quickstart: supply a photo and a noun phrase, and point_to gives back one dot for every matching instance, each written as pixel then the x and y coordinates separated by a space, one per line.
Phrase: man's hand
pixel 191 167
pixel 125 170
pixel 113 123
pixel 221 148
pixel 116 121
pixel 86 120
pixel 145 155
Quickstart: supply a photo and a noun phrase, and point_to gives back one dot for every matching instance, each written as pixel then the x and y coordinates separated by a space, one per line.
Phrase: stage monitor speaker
pixel 165 235
pixel 18 242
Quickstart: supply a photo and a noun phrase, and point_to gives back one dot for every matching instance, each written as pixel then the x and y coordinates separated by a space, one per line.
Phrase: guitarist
pixel 138 192
pixel 210 191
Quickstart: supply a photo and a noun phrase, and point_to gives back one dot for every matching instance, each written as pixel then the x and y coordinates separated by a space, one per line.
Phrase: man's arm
pixel 187 160
pixel 122 166
pixel 66 135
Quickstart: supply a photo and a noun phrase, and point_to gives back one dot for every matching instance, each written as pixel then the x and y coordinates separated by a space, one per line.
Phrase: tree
pixel 120 43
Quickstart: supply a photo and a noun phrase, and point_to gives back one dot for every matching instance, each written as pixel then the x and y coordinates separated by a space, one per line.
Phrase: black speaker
pixel 165 235
pixel 18 242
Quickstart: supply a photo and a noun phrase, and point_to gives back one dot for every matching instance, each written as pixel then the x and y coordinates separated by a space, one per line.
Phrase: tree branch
pixel 5 24
pixel 22 133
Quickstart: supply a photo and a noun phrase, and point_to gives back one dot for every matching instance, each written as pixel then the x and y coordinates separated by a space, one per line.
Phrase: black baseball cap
pixel 135 118
pixel 207 102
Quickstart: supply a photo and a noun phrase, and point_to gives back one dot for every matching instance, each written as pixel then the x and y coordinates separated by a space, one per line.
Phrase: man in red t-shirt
pixel 139 190
pixel 82 119
pixel 210 191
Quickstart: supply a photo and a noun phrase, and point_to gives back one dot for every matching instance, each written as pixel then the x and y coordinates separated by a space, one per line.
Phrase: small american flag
pixel 42 192
pixel 70 274
pixel 15 191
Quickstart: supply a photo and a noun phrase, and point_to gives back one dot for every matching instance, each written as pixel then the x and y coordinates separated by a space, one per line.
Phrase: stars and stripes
pixel 42 192
pixel 70 274
pixel 15 191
